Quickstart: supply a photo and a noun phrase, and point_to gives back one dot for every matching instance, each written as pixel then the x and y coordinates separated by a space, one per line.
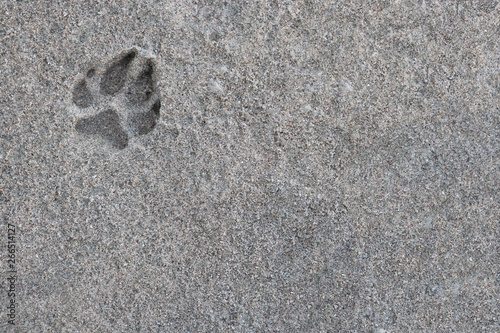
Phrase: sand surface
pixel 250 166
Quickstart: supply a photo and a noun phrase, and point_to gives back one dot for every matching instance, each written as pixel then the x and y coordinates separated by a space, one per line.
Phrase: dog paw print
pixel 118 100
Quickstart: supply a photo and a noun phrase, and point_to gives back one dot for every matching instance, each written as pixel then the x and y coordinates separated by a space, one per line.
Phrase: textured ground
pixel 316 166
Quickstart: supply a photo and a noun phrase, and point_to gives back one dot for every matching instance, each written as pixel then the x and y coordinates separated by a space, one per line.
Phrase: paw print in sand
pixel 118 100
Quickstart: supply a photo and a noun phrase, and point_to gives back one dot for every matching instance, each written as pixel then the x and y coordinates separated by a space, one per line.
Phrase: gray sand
pixel 260 166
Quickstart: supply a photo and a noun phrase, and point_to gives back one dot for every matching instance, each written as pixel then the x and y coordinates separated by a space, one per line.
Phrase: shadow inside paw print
pixel 120 99
pixel 142 88
pixel 81 95
pixel 105 124
pixel 143 123
pixel 115 76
